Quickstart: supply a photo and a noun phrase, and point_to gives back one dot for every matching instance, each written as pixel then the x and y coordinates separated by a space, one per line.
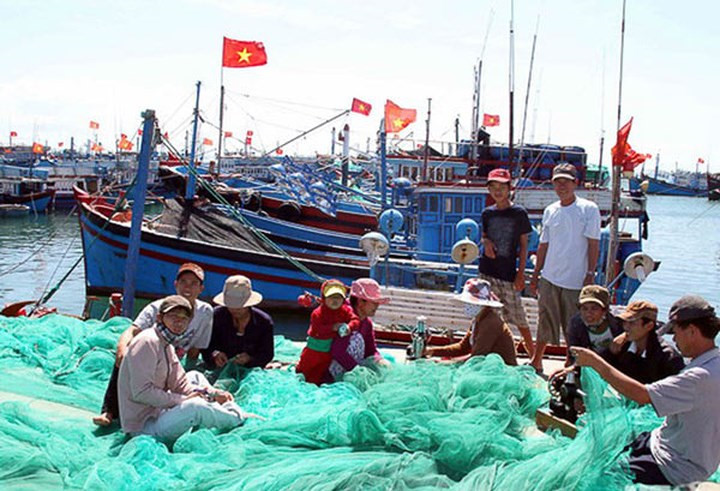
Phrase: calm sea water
pixel 684 236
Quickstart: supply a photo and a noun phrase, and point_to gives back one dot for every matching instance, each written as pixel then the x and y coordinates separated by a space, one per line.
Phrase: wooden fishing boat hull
pixel 105 244
pixel 37 202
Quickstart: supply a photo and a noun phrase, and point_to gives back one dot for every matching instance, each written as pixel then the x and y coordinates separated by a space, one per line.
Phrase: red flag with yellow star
pixel 243 54
pixel 361 107
pixel 397 118
pixel 491 120
pixel 38 148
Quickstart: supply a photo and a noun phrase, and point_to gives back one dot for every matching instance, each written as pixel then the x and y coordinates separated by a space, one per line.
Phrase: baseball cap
pixel 638 309
pixel 333 287
pixel 596 294
pixel 499 175
pixel 192 268
pixel 176 302
pixel 687 308
pixel 564 171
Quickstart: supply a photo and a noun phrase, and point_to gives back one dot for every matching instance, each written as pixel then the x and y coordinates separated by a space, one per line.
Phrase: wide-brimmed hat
pixel 639 309
pixel 478 292
pixel 594 294
pixel 564 171
pixel 687 308
pixel 176 302
pixel 238 293
pixel 191 268
pixel 368 289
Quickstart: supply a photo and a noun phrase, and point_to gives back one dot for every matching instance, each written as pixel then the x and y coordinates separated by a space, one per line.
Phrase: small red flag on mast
pixel 361 107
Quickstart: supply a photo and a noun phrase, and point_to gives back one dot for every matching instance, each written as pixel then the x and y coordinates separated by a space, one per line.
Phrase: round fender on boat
pixel 290 211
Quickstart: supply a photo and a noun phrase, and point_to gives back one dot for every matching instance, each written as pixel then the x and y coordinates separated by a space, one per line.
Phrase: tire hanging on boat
pixel 289 211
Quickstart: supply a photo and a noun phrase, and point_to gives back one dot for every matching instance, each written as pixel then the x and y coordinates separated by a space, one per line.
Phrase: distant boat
pixel 713 185
pixel 668 188
pixel 14 210
pixel 33 193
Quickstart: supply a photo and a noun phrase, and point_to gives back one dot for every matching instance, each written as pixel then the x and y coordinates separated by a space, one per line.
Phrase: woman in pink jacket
pixel 156 396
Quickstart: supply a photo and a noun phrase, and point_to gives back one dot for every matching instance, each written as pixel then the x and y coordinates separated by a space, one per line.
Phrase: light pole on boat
pixel 616 166
pixel 133 252
pixel 190 188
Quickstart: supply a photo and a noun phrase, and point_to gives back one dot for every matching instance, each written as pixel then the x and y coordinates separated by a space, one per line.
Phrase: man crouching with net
pixel 686 447
pixel 156 396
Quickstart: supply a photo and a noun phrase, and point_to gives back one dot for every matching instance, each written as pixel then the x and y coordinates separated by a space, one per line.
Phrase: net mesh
pixel 422 425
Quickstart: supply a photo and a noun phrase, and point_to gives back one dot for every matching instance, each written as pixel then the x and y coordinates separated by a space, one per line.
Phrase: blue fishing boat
pixel 33 193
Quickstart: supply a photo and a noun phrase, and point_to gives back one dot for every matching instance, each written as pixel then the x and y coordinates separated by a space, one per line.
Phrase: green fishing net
pixel 421 425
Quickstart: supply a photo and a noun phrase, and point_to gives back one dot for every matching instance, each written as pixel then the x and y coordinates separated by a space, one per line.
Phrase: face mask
pixel 176 340
pixel 472 310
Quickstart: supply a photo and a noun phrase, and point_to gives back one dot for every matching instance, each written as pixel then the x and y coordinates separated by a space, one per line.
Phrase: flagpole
pixel 427 142
pixel 613 244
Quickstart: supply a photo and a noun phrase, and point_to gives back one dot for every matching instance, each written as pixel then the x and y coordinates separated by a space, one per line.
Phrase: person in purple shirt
pixel 359 347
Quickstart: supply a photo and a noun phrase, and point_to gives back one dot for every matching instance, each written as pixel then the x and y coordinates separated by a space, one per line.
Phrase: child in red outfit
pixel 330 319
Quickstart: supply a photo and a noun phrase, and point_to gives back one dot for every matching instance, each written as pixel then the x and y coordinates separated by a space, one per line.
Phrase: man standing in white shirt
pixel 566 259
pixel 189 283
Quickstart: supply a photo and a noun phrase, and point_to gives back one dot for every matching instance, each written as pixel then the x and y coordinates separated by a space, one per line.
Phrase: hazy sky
pixel 67 62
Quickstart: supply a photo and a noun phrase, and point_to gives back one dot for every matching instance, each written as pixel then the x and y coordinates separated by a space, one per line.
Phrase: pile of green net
pixel 411 426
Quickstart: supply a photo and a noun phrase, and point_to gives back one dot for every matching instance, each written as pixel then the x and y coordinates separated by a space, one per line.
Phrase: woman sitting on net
pixel 488 333
pixel 156 396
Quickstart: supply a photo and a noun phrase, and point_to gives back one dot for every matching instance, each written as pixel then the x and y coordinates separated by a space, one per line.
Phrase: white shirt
pixel 566 230
pixel 199 329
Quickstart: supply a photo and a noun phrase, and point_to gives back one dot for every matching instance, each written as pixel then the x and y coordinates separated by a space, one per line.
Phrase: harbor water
pixel 38 251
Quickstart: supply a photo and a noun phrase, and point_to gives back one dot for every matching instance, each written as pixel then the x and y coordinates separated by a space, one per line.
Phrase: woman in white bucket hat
pixel 488 333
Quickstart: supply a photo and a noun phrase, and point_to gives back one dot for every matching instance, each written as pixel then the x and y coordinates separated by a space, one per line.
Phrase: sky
pixel 65 63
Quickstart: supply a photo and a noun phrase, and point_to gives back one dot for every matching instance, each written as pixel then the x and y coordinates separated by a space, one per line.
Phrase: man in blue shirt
pixel 686 447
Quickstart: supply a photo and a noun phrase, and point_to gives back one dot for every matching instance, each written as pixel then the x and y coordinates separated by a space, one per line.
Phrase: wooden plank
pixel 545 421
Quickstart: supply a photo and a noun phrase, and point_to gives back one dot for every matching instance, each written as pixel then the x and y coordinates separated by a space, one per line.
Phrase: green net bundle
pixel 421 425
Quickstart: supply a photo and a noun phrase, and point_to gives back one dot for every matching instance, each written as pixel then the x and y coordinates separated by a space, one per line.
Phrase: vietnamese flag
pixel 279 151
pixel 243 54
pixel 701 160
pixel 228 134
pixel 361 107
pixel 60 144
pixel 38 148
pixel 397 118
pixel 249 133
pixel 139 132
pixel 491 120
pixel 13 134
pixel 207 141
pixel 94 125
pixel 621 145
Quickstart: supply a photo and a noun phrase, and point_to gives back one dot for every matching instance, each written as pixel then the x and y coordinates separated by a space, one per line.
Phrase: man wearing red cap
pixel 505 231
pixel 188 284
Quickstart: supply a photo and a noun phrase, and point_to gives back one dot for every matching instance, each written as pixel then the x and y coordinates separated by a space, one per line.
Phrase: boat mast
pixel 616 167
pixel 220 129
pixel 598 176
pixel 427 142
pixel 527 93
pixel 476 113
pixel 511 80
pixel 190 187
pixel 133 252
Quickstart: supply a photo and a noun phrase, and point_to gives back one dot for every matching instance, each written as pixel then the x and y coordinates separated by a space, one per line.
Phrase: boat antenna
pixel 511 81
pixel 427 143
pixel 612 247
pixel 527 93
pixel 475 124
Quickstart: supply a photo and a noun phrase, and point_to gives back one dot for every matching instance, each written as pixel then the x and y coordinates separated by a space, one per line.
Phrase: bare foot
pixel 105 419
